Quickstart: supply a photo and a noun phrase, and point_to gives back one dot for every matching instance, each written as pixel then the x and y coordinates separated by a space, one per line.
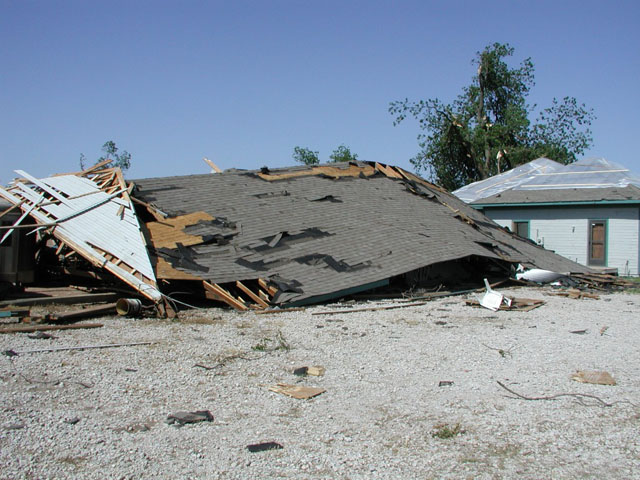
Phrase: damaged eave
pixel 315 232
pixel 90 212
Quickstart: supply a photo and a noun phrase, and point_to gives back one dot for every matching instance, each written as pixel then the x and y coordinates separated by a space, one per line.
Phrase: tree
pixel 487 128
pixel 122 160
pixel 343 154
pixel 309 157
pixel 305 155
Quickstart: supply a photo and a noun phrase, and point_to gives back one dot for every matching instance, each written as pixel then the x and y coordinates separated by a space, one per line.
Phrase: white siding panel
pixel 565 230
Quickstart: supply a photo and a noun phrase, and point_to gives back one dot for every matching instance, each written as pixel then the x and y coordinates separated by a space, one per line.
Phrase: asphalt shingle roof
pixel 330 234
pixel 612 194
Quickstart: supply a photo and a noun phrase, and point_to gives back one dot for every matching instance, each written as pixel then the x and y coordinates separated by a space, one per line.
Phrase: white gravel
pixel 377 418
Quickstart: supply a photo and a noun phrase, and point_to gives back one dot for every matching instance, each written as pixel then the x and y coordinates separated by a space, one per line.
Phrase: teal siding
pixel 566 231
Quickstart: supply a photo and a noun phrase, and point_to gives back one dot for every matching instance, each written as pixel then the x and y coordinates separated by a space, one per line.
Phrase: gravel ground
pixel 100 414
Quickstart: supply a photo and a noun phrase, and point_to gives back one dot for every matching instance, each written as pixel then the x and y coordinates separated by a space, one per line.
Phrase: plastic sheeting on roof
pixel 542 174
pixel 505 181
pixel 587 173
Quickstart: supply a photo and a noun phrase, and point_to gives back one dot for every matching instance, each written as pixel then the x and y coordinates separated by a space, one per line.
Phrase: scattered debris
pixel 70 205
pixel 40 336
pixel 71 421
pixel 39 328
pixel 316 371
pixel 597 378
pixel 236 249
pixel 538 275
pixel 517 304
pixel 128 307
pixel 445 383
pixel 576 294
pixel 579 332
pixel 280 310
pixel 602 281
pixel 603 330
pixel 580 397
pixel 57 295
pixel 296 391
pixel 261 447
pixel 86 347
pixel 491 299
pixel 91 312
pixel 182 418
pixel 371 309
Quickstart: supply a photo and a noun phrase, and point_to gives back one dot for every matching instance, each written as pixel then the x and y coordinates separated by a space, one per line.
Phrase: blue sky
pixel 243 83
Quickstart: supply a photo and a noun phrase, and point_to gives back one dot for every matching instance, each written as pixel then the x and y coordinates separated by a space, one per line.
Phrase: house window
pixel 521 228
pixel 597 242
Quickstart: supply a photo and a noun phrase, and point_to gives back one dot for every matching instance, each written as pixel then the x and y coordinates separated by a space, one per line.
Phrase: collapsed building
pixel 285 237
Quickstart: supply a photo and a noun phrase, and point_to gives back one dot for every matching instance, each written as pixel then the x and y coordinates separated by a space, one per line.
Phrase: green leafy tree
pixel 122 159
pixel 309 157
pixel 305 155
pixel 487 128
pixel 343 154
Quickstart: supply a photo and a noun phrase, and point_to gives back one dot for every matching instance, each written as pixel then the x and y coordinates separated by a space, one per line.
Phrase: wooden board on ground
pixel 517 304
pixel 597 378
pixel 297 391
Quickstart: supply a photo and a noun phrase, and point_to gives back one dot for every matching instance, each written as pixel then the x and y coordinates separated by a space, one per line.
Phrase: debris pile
pixel 254 240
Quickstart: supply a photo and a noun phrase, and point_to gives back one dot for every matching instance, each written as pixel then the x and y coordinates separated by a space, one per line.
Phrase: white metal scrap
pixel 90 221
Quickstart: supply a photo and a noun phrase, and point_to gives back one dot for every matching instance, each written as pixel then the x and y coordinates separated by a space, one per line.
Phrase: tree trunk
pixel 481 119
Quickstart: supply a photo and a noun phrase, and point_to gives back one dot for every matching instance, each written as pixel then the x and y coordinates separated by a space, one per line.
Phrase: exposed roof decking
pixel 340 233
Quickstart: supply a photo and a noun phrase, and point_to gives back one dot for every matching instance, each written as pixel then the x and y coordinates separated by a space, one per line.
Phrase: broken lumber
pixel 370 309
pixel 517 304
pixel 41 328
pixel 64 299
pixel 85 313
pixel 297 391
pixel 85 347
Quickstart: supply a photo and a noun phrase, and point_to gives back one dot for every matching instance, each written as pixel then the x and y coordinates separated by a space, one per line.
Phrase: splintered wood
pixel 517 304
pixel 90 213
pixel 297 391
pixel 576 294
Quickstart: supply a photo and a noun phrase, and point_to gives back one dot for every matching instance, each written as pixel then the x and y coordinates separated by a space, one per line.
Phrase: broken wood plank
pixel 517 304
pixel 213 166
pixel 271 290
pixel 71 299
pixel 84 347
pixel 85 313
pixel 42 328
pixel 222 295
pixel 281 310
pixel 251 295
pixel 370 309
pixel 297 391
pixel 575 294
